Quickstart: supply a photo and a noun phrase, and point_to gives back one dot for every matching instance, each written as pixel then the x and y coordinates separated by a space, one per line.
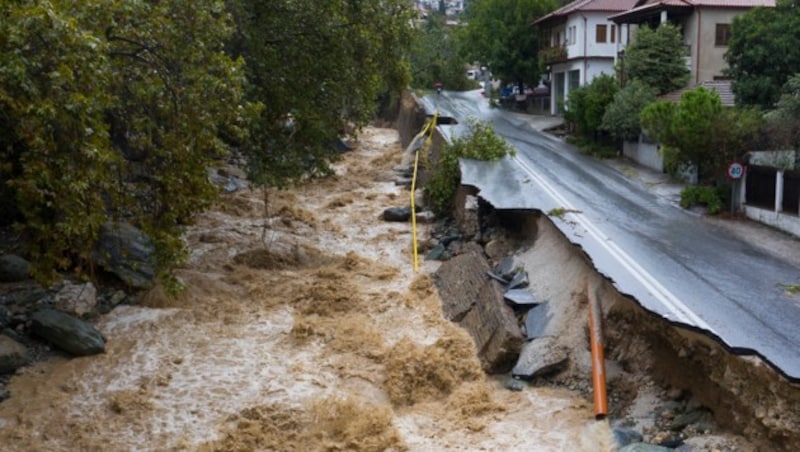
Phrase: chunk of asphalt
pixel 505 269
pixel 520 297
pixel 540 356
pixel 520 280
pixel 537 320
pixel 497 278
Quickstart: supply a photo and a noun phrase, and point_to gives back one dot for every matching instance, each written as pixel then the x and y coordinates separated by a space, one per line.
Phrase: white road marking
pixel 667 298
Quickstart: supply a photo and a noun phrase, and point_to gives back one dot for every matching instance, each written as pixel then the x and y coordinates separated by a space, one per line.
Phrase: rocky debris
pixel 438 253
pixel 13 268
pixel 467 217
pixel 460 282
pixel 399 214
pixel 540 357
pixel 67 333
pixel 515 384
pixel 474 301
pixel 537 321
pixel 520 298
pixel 75 299
pixel 13 355
pixel 625 436
pixel 126 252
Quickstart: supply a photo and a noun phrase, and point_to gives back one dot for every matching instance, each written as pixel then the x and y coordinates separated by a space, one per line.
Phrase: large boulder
pixel 13 355
pixel 75 299
pixel 13 268
pixel 126 252
pixel 475 301
pixel 67 333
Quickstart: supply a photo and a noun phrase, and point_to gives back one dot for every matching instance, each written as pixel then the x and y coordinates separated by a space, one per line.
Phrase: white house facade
pixel 581 44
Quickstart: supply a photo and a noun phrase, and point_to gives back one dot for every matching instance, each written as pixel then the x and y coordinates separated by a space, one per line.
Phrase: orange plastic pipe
pixel 598 359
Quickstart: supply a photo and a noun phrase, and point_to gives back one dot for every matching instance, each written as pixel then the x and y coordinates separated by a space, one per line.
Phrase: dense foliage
pixel 314 67
pixel 479 143
pixel 783 123
pixel 656 58
pixel 499 34
pixel 710 197
pixel 113 110
pixel 436 57
pixel 587 104
pixel 763 52
pixel 621 118
pixel 697 131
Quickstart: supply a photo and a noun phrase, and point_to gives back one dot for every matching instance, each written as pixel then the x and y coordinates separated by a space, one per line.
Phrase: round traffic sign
pixel 735 170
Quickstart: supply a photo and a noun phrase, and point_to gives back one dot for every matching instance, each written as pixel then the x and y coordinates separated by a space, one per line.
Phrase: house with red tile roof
pixel 587 38
pixel 706 26
pixel 579 44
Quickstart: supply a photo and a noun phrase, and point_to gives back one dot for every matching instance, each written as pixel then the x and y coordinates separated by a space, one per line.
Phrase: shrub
pixel 480 143
pixel 711 197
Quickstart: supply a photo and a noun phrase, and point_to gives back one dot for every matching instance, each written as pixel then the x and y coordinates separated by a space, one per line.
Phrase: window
pixel 613 33
pixel 723 35
pixel 601 33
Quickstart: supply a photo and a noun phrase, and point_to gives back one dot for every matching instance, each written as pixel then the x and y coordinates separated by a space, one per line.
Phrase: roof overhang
pixel 646 12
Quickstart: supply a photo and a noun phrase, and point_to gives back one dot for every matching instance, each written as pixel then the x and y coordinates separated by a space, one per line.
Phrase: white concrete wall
pixel 784 222
pixel 643 153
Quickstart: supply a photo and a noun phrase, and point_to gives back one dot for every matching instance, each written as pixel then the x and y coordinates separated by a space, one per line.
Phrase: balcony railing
pixel 550 55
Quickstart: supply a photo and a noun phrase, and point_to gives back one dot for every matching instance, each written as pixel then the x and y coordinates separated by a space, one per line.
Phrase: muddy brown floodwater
pixel 314 334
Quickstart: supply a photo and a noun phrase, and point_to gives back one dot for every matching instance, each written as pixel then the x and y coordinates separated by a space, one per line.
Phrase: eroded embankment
pixel 745 396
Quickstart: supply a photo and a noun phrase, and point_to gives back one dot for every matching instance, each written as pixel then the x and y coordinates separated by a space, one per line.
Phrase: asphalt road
pixel 674 263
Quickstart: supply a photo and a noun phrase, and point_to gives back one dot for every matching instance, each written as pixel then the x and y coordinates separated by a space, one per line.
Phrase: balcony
pixel 551 55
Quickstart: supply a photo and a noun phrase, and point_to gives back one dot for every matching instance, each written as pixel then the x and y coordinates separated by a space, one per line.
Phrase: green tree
pixel 479 143
pixel 656 58
pixel 587 105
pixel 111 110
pixel 784 122
pixel 315 67
pixel 763 52
pixel 697 131
pixel 436 57
pixel 499 34
pixel 621 119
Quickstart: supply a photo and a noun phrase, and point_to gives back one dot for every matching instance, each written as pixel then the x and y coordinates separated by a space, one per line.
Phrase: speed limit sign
pixel 735 171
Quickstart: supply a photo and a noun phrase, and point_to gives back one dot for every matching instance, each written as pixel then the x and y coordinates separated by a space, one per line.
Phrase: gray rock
pixel 426 217
pixel 684 419
pixel 643 447
pixel 13 268
pixel 475 302
pixel 540 357
pixel 400 214
pixel 505 269
pixel 75 299
pixel 515 384
pixel 13 355
pixel 234 184
pixel 537 321
pixel 520 297
pixel 436 253
pixel 126 252
pixel 67 333
pixel 519 280
pixel 5 318
pixel 625 436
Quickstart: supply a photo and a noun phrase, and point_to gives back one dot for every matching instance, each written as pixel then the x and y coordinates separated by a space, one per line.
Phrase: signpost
pixel 735 172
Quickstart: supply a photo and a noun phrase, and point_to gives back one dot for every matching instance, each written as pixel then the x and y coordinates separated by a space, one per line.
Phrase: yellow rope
pixel 428 129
